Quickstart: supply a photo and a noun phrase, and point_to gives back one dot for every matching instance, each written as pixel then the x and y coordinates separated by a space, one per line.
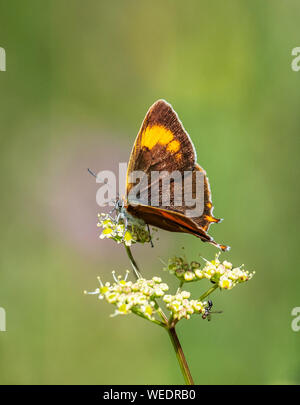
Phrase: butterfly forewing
pixel 162 143
pixel 164 152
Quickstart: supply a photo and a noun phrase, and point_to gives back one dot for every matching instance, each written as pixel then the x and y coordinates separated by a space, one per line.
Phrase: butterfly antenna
pixel 92 173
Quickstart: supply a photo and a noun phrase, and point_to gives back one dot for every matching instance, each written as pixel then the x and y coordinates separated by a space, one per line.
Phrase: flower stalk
pixel 134 265
pixel 145 298
pixel 180 356
pixel 208 292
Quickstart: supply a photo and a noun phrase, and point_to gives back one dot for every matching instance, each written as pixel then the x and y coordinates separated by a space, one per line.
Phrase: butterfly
pixel 163 145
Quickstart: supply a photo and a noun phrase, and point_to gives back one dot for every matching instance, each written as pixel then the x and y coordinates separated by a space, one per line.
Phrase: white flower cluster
pixel 113 230
pixel 137 297
pixel 182 307
pixel 116 230
pixel 223 273
pixel 140 297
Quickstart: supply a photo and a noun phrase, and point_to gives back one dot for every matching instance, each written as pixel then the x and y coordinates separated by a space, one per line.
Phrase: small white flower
pixel 189 276
pixel 199 274
pixel 185 294
pixel 106 233
pixel 158 292
pixel 227 265
pixel 225 283
pixel 128 239
pixel 164 286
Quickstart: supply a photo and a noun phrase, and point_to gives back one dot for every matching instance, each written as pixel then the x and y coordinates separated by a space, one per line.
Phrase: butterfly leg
pixel 148 228
pixel 117 219
pixel 125 227
pixel 110 215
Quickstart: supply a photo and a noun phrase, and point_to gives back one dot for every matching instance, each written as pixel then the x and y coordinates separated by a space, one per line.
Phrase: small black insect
pixel 208 312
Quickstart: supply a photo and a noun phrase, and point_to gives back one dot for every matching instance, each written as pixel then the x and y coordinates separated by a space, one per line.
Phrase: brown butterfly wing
pixel 171 221
pixel 207 218
pixel 163 145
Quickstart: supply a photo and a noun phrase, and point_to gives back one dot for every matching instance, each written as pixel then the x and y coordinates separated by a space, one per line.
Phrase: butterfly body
pixel 163 147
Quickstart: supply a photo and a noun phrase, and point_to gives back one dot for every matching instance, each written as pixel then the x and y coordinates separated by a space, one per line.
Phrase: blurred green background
pixel 80 78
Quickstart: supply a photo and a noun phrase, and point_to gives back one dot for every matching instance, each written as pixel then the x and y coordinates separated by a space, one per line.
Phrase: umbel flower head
pixel 140 298
pixel 113 229
pixel 137 297
pixel 223 274
pixel 182 306
pixel 144 297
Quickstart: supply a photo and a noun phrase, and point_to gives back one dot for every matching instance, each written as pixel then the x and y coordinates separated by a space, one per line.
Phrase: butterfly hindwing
pixel 169 220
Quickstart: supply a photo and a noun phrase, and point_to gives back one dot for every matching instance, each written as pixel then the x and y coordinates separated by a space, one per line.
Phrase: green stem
pixel 169 327
pixel 163 316
pixel 133 263
pixel 151 320
pixel 180 356
pixel 161 313
pixel 180 286
pixel 211 290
